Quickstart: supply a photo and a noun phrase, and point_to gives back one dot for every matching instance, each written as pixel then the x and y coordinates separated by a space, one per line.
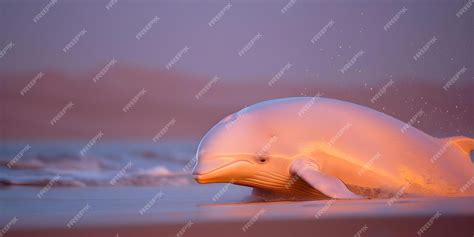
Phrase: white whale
pixel 318 147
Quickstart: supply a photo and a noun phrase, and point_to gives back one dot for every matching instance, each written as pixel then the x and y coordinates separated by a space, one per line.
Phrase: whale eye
pixel 262 159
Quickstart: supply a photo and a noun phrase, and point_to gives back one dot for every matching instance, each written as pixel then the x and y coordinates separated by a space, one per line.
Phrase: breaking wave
pixel 111 164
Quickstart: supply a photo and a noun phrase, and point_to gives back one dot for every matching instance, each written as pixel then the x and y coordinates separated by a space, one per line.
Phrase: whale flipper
pixel 328 185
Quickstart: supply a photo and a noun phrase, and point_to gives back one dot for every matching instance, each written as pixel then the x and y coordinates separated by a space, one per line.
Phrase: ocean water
pixel 106 163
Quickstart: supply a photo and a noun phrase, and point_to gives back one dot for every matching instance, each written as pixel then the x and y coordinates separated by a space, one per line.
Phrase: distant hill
pixel 97 106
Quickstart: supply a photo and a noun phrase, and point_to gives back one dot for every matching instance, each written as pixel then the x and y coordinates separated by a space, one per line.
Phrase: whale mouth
pixel 222 173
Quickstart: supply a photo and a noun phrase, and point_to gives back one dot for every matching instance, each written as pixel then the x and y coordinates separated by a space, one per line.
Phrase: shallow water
pixel 36 163
pixel 119 209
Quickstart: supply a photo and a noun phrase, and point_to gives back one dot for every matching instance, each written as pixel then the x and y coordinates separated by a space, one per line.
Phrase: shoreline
pixel 191 211
pixel 376 226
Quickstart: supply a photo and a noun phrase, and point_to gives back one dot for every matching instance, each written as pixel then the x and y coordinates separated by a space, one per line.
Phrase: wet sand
pixel 220 210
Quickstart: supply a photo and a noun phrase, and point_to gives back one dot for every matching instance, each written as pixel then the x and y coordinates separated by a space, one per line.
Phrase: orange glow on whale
pixel 321 147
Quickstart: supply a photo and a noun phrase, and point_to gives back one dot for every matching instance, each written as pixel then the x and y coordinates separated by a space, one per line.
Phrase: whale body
pixel 319 147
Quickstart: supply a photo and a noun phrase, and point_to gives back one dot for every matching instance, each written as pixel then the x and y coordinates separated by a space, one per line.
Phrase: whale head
pixel 241 150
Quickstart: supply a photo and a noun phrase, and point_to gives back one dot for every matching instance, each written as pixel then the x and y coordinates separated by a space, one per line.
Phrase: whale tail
pixel 465 144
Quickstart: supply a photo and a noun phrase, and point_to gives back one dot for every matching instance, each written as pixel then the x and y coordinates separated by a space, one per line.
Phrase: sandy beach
pixel 192 211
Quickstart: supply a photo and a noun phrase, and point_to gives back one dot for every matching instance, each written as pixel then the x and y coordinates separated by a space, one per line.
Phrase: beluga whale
pixel 319 148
